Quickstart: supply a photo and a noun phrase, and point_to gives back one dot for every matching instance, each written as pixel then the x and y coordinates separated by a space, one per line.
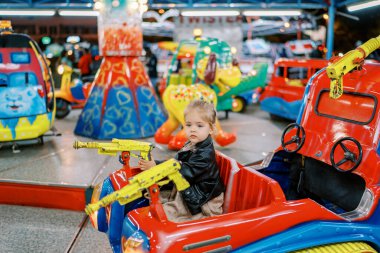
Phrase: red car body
pixel 257 207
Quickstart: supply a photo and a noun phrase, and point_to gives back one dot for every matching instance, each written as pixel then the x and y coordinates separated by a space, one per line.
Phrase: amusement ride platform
pixel 44 188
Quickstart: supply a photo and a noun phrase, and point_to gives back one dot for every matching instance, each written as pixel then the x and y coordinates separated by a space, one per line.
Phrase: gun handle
pixel 336 88
pixel 180 182
pixel 146 155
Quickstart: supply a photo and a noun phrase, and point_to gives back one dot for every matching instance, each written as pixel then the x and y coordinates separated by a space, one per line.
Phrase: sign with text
pixel 228 29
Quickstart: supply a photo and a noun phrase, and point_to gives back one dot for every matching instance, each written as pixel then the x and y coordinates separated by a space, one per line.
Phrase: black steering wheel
pixel 298 139
pixel 349 156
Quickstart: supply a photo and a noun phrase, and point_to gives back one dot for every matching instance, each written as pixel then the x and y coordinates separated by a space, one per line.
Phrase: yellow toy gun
pixel 348 62
pixel 133 190
pixel 112 148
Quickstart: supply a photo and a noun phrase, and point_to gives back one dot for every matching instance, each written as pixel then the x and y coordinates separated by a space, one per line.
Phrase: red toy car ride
pixel 318 192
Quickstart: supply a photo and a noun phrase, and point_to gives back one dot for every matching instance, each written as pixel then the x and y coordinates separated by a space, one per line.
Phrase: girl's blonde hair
pixel 206 110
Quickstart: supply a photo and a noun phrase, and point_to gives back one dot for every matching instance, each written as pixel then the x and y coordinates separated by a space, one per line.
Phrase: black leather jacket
pixel 199 167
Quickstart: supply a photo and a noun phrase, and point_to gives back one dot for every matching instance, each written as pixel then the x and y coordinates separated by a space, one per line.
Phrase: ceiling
pixel 156 4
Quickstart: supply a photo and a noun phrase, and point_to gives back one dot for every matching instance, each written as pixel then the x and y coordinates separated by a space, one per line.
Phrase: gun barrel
pixel 79 144
pixel 112 148
pixel 371 45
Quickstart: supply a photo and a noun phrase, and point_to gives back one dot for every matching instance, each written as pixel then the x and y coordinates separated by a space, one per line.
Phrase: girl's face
pixel 196 129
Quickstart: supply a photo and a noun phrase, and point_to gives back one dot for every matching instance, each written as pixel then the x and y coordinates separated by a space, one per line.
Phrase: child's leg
pixel 214 206
pixel 176 211
pixel 167 195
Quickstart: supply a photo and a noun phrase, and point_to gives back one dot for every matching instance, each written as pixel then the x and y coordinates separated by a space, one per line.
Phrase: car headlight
pixel 132 245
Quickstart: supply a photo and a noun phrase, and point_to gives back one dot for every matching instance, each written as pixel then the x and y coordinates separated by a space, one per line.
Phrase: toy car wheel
pixel 295 142
pixel 63 108
pixel 238 104
pixel 349 156
pixel 41 140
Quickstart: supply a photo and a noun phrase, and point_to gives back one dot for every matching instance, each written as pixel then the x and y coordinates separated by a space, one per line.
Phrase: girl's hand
pixel 146 165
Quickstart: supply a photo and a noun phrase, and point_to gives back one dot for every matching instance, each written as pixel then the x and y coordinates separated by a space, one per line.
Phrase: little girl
pixel 205 195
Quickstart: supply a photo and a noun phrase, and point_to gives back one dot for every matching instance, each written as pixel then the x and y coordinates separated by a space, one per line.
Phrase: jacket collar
pixel 204 143
pixel 201 144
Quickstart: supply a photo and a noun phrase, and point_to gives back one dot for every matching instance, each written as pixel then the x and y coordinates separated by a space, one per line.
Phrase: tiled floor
pixel 30 229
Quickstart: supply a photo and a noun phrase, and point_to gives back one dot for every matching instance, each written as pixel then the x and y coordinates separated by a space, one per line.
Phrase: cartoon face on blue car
pixel 22 97
pixel 20 102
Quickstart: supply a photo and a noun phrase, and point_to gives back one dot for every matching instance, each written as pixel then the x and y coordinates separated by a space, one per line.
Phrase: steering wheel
pixel 349 156
pixel 298 138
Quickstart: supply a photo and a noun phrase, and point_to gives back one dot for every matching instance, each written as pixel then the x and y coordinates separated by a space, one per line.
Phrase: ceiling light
pixel 78 13
pixel 263 13
pixel 210 13
pixel 27 12
pixel 98 5
pixel 356 7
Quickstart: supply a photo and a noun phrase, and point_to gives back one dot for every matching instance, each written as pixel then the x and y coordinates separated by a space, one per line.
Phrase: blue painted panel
pixel 107 188
pixel 282 108
pixel 247 95
pixel 89 120
pixel 77 91
pixel 151 115
pixel 120 116
pixel 115 226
